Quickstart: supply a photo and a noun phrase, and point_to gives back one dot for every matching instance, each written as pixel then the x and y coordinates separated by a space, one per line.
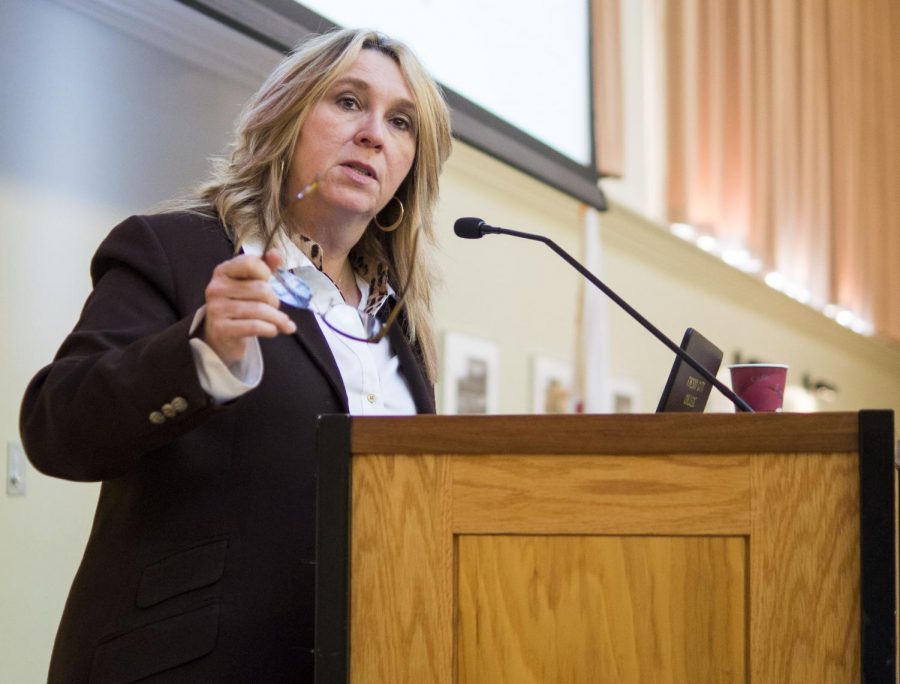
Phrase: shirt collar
pixel 304 253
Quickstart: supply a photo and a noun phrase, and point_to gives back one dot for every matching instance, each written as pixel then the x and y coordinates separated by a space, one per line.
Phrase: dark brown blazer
pixel 199 563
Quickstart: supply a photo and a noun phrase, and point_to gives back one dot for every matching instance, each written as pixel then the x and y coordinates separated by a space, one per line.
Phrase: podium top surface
pixel 612 434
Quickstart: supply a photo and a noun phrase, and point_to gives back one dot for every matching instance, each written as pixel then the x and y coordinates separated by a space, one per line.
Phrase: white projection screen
pixel 526 61
pixel 516 72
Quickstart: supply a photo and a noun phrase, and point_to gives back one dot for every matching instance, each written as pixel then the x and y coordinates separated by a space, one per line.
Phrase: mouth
pixel 360 168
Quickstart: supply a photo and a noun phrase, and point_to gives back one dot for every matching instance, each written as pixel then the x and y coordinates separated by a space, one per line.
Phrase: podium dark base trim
pixel 332 600
pixel 877 546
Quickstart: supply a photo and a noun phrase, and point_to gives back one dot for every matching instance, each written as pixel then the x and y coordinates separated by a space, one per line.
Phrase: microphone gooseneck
pixel 474 228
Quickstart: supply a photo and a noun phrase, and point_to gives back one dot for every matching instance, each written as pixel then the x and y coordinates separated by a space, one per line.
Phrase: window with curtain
pixel 782 142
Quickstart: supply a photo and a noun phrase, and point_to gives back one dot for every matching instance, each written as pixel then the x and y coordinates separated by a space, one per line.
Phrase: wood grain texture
pixel 402 583
pixel 626 565
pixel 601 609
pixel 601 494
pixel 671 433
pixel 804 567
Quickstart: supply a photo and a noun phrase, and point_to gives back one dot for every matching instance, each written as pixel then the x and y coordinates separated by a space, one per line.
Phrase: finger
pixel 225 287
pixel 229 338
pixel 236 309
pixel 244 267
pixel 273 259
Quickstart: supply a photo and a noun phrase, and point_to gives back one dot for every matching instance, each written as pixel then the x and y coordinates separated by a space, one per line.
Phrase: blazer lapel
pixel 422 391
pixel 311 338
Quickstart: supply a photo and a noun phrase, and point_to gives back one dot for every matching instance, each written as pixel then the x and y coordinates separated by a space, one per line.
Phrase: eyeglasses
pixel 345 320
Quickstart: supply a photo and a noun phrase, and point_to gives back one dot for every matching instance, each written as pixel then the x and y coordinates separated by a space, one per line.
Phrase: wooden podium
pixel 635 548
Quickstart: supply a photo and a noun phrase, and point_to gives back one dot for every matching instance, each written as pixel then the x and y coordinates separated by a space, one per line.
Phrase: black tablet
pixel 686 390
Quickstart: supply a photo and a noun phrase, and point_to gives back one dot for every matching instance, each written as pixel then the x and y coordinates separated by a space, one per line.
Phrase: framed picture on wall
pixel 624 395
pixel 470 375
pixel 551 385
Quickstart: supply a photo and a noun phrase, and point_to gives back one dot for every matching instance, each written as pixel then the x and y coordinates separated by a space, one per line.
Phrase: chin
pixel 352 203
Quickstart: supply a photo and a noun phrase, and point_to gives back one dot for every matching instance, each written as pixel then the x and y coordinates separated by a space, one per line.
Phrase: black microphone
pixel 473 228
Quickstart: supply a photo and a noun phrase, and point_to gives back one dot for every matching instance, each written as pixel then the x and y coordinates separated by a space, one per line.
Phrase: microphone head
pixel 470 228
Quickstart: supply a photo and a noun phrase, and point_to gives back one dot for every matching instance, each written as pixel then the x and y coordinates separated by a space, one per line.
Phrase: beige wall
pixel 522 296
pixel 516 293
pixel 677 285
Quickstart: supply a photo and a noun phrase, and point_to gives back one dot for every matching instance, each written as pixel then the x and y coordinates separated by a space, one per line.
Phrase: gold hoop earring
pixel 396 224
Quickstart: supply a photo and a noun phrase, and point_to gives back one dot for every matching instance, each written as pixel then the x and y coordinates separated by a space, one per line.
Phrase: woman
pixel 191 391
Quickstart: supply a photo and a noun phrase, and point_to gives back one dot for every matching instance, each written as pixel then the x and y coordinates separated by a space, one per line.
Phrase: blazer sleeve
pixel 123 383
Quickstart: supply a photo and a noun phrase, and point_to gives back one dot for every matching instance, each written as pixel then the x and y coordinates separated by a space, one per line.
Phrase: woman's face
pixel 359 140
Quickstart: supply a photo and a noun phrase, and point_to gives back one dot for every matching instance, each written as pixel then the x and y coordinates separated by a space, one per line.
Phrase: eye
pixel 348 102
pixel 402 122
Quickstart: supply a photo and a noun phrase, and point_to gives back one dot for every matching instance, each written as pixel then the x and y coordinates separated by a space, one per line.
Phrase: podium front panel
pixel 697 551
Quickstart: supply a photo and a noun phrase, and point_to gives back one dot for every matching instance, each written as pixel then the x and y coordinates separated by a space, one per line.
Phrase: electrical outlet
pixel 15 469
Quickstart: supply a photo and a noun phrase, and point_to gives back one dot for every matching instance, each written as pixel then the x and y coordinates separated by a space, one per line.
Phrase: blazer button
pixel 169 411
pixel 179 404
pixel 157 418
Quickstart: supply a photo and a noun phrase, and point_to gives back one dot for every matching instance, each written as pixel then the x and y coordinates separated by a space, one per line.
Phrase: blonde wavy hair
pixel 247 189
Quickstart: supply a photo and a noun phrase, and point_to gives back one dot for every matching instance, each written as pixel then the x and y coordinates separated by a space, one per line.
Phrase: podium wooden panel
pixel 643 548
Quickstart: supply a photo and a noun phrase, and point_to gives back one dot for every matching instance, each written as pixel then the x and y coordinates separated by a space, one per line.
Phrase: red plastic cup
pixel 761 385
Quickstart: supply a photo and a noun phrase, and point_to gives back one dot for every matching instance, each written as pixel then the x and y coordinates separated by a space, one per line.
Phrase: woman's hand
pixel 240 305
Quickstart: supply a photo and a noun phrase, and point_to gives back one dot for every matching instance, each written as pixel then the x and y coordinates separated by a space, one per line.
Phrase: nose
pixel 371 131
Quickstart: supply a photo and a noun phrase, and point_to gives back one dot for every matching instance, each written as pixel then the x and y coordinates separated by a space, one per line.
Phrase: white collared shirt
pixel 370 372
